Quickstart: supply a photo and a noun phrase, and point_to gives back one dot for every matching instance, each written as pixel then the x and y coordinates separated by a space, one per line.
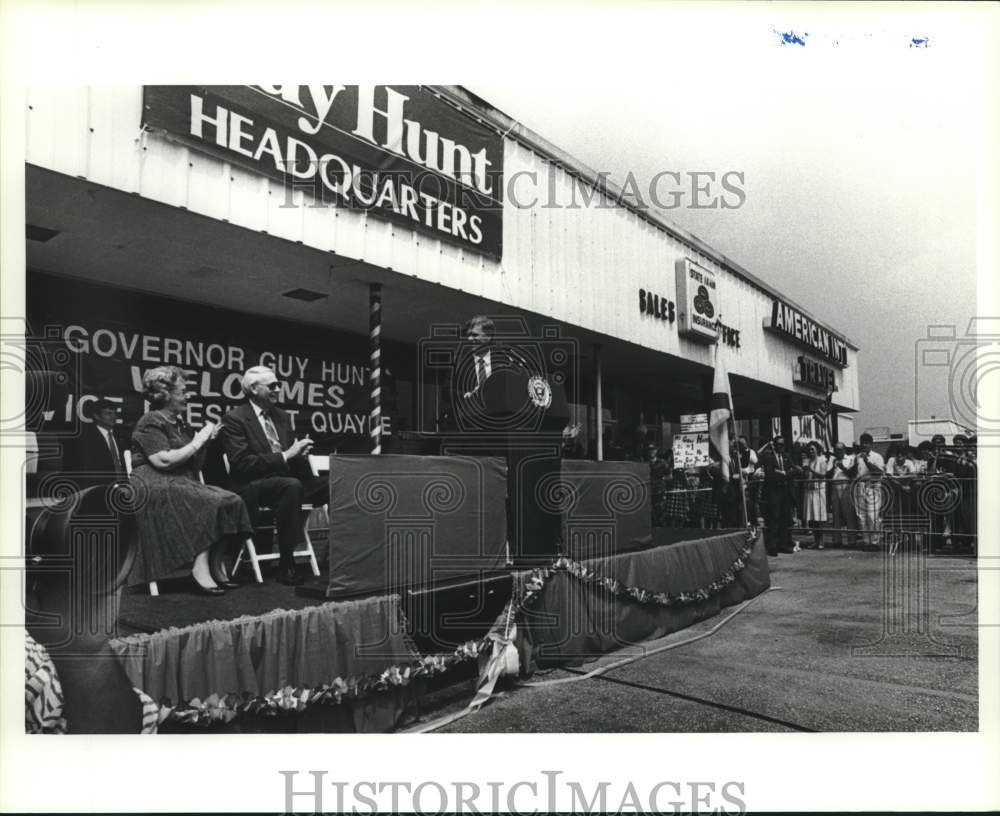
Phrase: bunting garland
pixel 216 709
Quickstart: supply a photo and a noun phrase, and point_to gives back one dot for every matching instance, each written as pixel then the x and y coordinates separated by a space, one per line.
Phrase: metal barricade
pixel 940 507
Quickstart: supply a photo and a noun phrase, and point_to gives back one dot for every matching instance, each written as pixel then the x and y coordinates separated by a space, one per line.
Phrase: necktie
pixel 116 458
pixel 272 434
pixel 481 368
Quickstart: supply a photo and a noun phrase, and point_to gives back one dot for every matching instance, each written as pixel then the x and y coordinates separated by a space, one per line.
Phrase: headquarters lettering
pixel 400 153
pixel 366 188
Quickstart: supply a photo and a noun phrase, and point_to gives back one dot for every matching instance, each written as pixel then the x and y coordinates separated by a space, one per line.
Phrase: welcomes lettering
pixel 113 340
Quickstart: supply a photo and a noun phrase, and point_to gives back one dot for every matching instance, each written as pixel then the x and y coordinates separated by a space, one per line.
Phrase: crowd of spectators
pixel 850 495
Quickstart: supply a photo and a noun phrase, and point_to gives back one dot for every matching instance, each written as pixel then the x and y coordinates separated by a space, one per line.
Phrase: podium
pixel 520 416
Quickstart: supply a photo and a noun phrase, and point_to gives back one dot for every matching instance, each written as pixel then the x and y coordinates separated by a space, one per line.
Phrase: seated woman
pixel 183 524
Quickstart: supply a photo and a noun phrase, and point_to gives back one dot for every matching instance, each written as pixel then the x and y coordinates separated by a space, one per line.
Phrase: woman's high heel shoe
pixel 220 574
pixel 204 590
pixel 201 573
pixel 223 581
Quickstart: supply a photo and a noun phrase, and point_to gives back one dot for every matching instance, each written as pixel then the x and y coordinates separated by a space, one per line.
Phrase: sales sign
pixel 655 305
pixel 397 152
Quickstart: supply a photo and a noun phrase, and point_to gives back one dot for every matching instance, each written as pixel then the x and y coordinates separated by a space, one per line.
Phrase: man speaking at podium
pixel 485 357
pixel 511 406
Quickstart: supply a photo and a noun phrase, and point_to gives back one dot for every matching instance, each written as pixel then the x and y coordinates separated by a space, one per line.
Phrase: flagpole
pixel 829 416
pixel 734 438
pixel 739 465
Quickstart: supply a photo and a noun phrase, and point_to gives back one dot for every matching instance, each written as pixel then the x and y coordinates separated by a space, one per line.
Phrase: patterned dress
pixel 676 504
pixel 706 508
pixel 814 490
pixel 178 516
pixel 43 695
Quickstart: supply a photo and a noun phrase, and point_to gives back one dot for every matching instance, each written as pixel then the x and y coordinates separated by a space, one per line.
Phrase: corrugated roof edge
pixel 477 107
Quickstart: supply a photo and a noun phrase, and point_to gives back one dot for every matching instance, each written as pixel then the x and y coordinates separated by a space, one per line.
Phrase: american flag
pixel 821 420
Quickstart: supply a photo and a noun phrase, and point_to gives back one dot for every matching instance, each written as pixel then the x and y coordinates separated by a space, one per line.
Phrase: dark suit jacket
pixel 777 484
pixel 249 453
pixel 769 462
pixel 465 377
pixel 89 456
pixel 464 380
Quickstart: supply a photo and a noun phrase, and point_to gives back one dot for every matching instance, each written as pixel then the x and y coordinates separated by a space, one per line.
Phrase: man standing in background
pixel 867 469
pixel 841 502
pixel 95 456
pixel 778 471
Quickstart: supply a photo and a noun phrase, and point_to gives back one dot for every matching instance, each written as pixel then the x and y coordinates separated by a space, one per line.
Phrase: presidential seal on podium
pixel 540 392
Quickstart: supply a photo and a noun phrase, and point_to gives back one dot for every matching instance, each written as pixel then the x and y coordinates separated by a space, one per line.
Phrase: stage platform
pixel 265 650
pixel 179 605
pixel 704 571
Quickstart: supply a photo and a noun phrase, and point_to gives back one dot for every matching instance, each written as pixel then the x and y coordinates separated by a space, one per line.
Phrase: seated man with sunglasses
pixel 268 466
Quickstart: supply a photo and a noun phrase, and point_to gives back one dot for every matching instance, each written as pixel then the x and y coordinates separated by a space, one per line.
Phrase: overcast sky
pixel 860 153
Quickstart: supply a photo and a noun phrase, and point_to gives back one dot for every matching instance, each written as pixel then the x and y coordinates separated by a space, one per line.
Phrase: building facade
pixel 221 227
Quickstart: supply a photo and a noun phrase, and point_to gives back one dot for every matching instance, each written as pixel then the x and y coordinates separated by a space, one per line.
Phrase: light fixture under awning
pixel 40 234
pixel 308 295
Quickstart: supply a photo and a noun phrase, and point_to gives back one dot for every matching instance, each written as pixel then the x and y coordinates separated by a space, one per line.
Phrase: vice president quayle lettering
pixel 397 152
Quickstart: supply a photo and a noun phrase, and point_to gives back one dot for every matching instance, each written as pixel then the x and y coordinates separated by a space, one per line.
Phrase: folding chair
pixel 250 551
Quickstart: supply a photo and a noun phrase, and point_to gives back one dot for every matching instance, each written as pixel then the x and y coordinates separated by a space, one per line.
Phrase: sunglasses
pixel 273 386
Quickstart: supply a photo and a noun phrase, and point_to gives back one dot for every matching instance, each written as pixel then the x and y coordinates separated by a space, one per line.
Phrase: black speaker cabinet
pixel 401 522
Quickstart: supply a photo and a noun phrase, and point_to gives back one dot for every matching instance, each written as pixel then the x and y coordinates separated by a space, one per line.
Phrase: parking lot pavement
pixel 845 641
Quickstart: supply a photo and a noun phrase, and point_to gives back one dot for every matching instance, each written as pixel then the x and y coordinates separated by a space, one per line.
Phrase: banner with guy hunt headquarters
pixel 104 339
pixel 396 151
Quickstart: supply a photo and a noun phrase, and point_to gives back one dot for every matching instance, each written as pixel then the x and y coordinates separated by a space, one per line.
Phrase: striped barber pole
pixel 375 364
